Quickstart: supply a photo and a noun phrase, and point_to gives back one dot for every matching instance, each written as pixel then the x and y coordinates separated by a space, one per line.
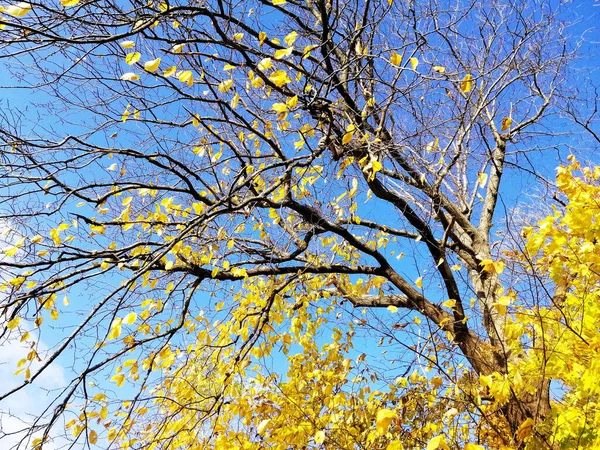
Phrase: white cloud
pixel 20 409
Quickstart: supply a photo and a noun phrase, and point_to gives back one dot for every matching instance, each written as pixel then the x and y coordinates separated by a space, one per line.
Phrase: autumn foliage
pixel 276 225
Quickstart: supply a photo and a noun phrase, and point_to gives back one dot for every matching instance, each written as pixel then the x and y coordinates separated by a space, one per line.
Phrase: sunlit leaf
pixel 130 76
pixel 132 58
pixel 290 38
pixel 419 282
pixel 186 76
pixel 20 9
pixel 225 85
pixel 396 59
pixel 262 427
pixel 466 84
pixel 525 428
pixel 13 323
pixel 130 318
pixel 152 66
pixel 280 78
pixel 384 419
pixel 282 53
pixel 177 48
pixel 170 71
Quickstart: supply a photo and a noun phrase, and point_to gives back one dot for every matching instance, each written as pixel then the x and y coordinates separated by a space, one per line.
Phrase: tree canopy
pixel 281 224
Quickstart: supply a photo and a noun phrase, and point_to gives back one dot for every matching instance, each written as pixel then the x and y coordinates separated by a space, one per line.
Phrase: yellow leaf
pixel 525 429
pixel 262 426
pixel 485 381
pixel 13 250
pixel 186 76
pixel 436 382
pixel 307 50
pixel 93 437
pixel 54 314
pixel 130 76
pixel 466 84
pixel 14 323
pixel 170 71
pixel 384 419
pixel 279 2
pixel 36 239
pixel 127 44
pixel 292 102
pixel 437 442
pixel 496 267
pixel 282 53
pixel 279 107
pixel 319 437
pixel 265 64
pixel 69 2
pixel 132 58
pixel 225 85
pixel 347 137
pixel 395 445
pixel 280 78
pixel 130 318
pixel 290 38
pixel 419 282
pixel 414 62
pixel 396 59
pixel 439 69
pixel 19 10
pixel 238 36
pixel 235 101
pixel 449 303
pixel 115 330
pixel 482 178
pixel 119 379
pixel 177 48
pixel 152 66
pixel 262 37
pixel 506 122
pixel 470 446
pixel 392 308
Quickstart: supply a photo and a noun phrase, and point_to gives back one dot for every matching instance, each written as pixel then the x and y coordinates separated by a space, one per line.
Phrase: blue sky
pixel 517 188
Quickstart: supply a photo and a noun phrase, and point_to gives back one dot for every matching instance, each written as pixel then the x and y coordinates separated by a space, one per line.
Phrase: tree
pixel 217 183
pixel 563 332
